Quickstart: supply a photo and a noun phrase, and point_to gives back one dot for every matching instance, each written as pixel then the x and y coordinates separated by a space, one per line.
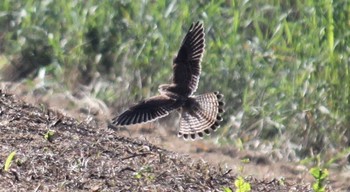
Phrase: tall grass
pixel 284 65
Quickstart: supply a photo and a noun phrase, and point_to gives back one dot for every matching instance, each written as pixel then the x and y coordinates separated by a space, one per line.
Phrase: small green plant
pixel 244 161
pixel 281 181
pixel 145 172
pixel 320 175
pixel 226 189
pixel 242 185
pixel 9 161
pixel 49 135
pixel 138 175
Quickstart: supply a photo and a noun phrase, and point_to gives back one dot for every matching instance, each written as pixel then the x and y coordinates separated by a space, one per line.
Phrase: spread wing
pixel 187 64
pixel 146 111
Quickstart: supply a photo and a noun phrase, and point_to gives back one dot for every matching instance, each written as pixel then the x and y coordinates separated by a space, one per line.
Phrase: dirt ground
pixel 86 154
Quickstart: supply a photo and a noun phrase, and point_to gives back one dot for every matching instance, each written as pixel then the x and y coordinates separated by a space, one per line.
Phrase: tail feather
pixel 202 116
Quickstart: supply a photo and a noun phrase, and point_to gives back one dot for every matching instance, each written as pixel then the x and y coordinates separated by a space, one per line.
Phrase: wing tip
pixel 197 24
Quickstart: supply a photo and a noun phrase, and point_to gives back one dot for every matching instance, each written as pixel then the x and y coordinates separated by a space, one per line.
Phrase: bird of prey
pixel 200 114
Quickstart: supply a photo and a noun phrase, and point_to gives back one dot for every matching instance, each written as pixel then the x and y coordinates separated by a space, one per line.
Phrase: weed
pixel 241 185
pixel 320 175
pixel 9 160
pixel 146 173
pixel 49 135
pixel 244 161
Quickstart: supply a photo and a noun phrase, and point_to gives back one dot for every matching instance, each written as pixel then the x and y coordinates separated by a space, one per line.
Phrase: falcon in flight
pixel 200 114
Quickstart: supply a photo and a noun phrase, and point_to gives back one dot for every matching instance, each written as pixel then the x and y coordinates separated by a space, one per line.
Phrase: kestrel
pixel 200 114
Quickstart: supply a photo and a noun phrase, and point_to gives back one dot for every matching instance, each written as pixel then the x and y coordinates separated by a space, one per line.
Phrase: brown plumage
pixel 200 114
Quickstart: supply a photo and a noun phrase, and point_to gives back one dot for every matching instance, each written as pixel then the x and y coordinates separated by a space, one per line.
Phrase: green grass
pixel 285 65
pixel 9 160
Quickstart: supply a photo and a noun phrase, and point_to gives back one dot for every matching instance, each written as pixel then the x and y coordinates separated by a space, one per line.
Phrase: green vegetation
pixel 9 160
pixel 241 185
pixel 226 189
pixel 244 162
pixel 49 135
pixel 282 66
pixel 320 175
pixel 145 173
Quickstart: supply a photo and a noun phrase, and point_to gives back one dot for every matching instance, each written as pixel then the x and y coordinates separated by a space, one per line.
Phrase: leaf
pixel 241 185
pixel 319 174
pixel 9 161
pixel 318 188
pixel 48 136
pixel 138 175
